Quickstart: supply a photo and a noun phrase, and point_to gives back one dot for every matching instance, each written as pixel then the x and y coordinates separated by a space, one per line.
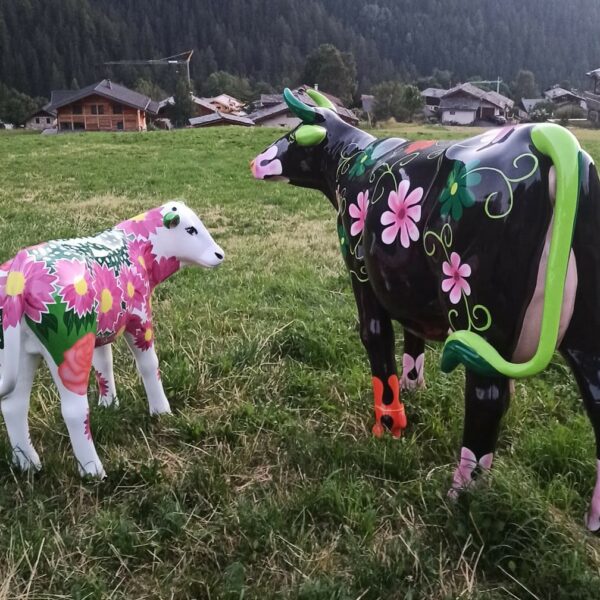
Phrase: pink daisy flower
pixel 109 298
pixel 456 282
pixel 75 285
pixel 141 331
pixel 358 212
pixel 404 212
pixel 143 225
pixel 163 268
pixel 26 288
pixel 141 256
pixel 133 287
pixel 102 384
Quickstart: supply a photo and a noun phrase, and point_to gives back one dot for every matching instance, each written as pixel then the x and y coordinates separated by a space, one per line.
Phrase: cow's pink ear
pixel 171 220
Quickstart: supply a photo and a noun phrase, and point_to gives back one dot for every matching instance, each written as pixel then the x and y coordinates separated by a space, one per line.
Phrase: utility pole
pixel 177 59
pixel 497 81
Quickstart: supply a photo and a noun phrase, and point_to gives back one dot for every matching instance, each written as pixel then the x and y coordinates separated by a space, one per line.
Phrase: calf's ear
pixel 171 220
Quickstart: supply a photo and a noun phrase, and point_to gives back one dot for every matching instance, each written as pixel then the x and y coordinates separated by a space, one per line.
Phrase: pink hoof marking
pixel 592 518
pixel 463 475
pixel 408 364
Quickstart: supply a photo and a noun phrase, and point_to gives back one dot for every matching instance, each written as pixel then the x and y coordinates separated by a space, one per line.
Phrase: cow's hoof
pixel 377 430
pixel 161 411
pixel 409 385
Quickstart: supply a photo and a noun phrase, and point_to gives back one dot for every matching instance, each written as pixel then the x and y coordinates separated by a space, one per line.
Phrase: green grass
pixel 266 482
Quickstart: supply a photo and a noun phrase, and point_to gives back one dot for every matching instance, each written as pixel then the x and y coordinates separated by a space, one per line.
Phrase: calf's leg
pixel 486 401
pixel 147 364
pixel 15 408
pixel 105 377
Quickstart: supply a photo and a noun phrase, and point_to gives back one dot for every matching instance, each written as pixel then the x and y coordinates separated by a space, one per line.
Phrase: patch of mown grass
pixel 266 482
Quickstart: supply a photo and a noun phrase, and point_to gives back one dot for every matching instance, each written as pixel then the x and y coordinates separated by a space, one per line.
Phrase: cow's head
pixel 302 156
pixel 183 236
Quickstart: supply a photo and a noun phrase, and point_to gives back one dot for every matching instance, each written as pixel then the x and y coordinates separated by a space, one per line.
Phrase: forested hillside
pixel 47 44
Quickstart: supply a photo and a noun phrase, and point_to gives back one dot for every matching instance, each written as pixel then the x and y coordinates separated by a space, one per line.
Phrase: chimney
pixel 316 87
pixel 108 84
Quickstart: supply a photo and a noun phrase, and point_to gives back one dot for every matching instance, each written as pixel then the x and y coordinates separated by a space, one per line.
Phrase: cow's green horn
pixel 301 110
pixel 321 100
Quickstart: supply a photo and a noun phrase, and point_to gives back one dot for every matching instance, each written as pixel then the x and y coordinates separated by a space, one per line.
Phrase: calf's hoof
pixel 26 462
pixel 592 522
pixel 408 384
pixel 92 469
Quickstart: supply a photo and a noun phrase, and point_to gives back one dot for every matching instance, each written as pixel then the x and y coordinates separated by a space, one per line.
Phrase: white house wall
pixel 458 117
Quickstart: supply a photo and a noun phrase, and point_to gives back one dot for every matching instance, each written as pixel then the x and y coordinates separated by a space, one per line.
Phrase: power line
pixel 182 58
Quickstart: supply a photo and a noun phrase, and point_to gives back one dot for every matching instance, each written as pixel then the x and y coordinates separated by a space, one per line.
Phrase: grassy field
pixel 266 481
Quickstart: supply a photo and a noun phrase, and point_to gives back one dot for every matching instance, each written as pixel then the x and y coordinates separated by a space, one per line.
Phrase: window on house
pixel 78 126
pixel 77 109
pixel 97 109
pixel 120 125
pixel 65 125
pixel 47 120
pixel 37 120
pixel 117 109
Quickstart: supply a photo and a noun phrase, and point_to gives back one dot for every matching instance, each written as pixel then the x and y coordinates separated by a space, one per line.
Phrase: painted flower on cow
pixel 140 255
pixel 144 224
pixel 358 212
pixel 362 161
pixel 456 282
pixel 142 332
pixel 404 213
pixel 86 427
pixel 418 146
pixel 102 384
pixel 26 288
pixel 457 196
pixel 74 371
pixel 75 285
pixel 109 297
pixel 134 288
pixel 162 268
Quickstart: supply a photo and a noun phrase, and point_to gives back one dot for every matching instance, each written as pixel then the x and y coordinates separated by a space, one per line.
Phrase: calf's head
pixel 306 155
pixel 184 237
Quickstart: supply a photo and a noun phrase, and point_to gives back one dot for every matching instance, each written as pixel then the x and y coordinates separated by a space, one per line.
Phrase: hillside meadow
pixel 266 481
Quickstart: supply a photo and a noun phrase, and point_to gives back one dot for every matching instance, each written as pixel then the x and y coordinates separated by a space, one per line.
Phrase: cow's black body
pixel 499 230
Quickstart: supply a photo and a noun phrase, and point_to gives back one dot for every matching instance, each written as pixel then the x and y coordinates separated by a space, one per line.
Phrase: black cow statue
pixel 489 244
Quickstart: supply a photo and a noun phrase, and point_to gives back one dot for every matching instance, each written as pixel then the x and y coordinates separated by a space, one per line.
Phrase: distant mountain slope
pixel 47 44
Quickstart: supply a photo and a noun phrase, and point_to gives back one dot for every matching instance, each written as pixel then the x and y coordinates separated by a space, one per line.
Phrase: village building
pixel 431 100
pixel 592 99
pixel 44 118
pixel 272 111
pixel 562 97
pixel 466 104
pixel 103 106
pixel 218 118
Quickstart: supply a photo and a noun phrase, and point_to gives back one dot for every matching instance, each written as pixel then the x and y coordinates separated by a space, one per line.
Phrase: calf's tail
pixel 472 350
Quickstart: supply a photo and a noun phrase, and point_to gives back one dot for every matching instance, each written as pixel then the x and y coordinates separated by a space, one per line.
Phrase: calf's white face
pixel 185 238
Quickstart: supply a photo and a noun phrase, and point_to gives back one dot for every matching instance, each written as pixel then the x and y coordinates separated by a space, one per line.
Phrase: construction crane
pixel 177 59
pixel 491 81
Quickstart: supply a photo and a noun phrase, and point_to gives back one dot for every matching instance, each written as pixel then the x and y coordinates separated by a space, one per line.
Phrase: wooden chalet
pixel 103 106
pixel 466 103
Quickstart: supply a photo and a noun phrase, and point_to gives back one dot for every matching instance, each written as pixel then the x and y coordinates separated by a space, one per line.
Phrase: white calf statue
pixel 68 300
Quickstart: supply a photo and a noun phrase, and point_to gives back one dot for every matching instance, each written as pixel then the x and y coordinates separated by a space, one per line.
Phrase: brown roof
pixel 107 89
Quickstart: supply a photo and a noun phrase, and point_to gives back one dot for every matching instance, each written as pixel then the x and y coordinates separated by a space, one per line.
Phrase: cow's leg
pixel 486 401
pixel 15 409
pixel 105 377
pixel 413 362
pixel 147 364
pixel 377 335
pixel 586 368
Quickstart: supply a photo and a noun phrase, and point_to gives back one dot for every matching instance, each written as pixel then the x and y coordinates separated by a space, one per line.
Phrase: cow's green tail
pixel 471 349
